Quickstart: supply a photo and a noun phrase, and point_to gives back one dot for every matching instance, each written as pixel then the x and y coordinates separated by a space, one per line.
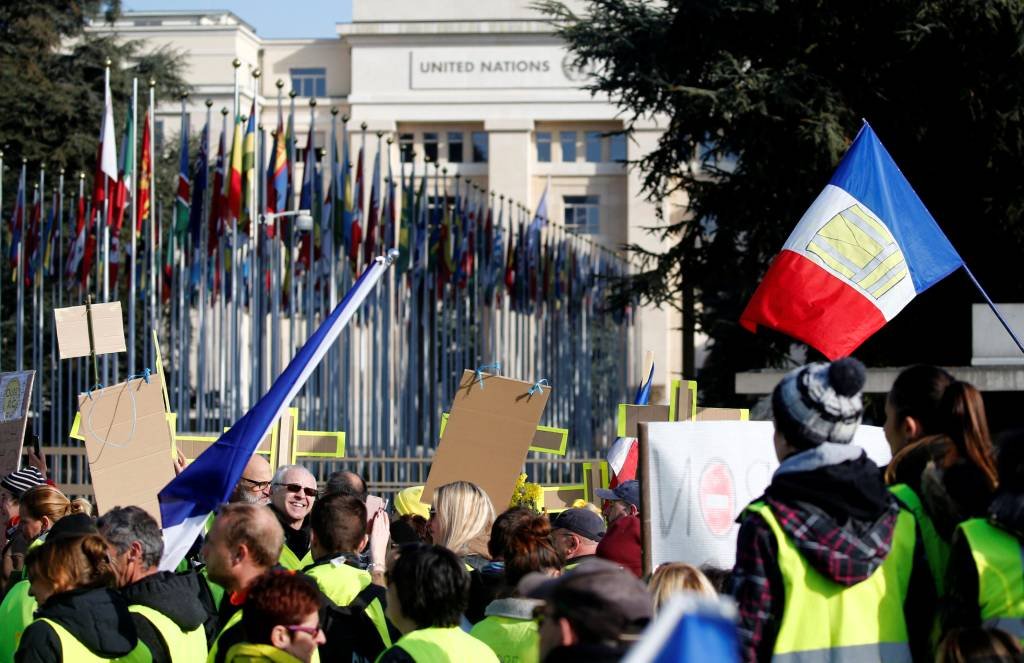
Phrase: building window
pixel 311 82
pixel 318 143
pixel 594 143
pixel 617 148
pixel 430 146
pixel 454 147
pixel 543 146
pixel 479 139
pixel 568 141
pixel 405 147
pixel 582 214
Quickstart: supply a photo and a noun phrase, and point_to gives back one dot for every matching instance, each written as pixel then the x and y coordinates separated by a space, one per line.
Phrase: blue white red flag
pixel 689 629
pixel 861 252
pixel 189 499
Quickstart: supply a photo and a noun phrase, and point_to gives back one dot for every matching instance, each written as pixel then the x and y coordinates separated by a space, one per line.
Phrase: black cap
pixel 77 524
pixel 584 522
pixel 627 491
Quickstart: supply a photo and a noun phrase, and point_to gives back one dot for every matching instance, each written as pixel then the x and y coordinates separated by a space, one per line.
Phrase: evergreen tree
pixel 761 98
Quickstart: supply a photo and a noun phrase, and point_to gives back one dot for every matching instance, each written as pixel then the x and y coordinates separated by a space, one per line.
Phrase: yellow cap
pixel 407 502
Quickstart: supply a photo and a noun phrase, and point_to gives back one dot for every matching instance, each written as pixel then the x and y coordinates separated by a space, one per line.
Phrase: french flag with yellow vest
pixel 861 252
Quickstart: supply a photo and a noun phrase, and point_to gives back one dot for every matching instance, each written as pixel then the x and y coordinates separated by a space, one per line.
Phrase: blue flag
pixel 189 499
pixel 690 629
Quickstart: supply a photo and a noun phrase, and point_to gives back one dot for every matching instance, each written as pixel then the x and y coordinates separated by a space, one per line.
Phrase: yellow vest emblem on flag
pixel 858 247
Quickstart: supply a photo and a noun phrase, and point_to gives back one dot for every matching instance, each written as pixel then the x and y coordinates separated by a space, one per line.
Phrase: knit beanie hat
pixel 22 480
pixel 820 403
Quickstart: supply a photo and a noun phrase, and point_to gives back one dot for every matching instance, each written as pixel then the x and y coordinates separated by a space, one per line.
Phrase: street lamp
pixel 304 220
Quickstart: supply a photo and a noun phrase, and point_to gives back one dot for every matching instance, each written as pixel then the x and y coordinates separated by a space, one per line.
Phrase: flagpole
pixel 275 245
pixel 58 301
pixel 1 213
pixel 995 309
pixel 151 244
pixel 134 251
pixel 106 229
pixel 37 344
pixel 235 387
pixel 255 297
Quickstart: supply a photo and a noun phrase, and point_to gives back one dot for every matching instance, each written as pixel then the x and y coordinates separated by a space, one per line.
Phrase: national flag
pixel 277 192
pixel 142 202
pixel 690 627
pixel 122 189
pixel 344 233
pixel 108 146
pixel 370 245
pixel 195 221
pixel 861 252
pixel 623 455
pixel 77 251
pixel 218 202
pixel 48 236
pixel 206 483
pixel 32 238
pixel 356 230
pixel 114 261
pixel 406 223
pixel 233 180
pixel 248 170
pixel 17 224
pixel 181 201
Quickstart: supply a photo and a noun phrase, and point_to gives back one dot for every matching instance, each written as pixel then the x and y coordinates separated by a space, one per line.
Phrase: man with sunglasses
pixel 293 493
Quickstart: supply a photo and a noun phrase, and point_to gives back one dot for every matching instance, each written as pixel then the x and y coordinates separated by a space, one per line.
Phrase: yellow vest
pixel 512 640
pixel 73 651
pixel 999 558
pixel 291 561
pixel 823 620
pixel 248 652
pixel 341 583
pixel 935 547
pixel 444 645
pixel 184 646
pixel 232 620
pixel 15 615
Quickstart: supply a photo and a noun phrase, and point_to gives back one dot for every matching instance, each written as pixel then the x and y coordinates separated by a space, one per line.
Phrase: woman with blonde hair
pixel 460 520
pixel 80 616
pixel 673 578
pixel 39 510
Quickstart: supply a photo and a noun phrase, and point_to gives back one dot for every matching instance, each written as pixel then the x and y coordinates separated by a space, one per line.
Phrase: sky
pixel 275 19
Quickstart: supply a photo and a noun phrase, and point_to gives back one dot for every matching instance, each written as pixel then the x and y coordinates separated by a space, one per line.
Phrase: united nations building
pixel 485 89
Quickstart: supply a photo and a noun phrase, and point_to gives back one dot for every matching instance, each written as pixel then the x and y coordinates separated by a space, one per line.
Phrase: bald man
pixel 254 485
pixel 243 544
pixel 294 491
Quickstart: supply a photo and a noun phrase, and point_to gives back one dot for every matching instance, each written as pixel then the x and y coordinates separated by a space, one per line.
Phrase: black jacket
pixel 180 598
pixel 98 618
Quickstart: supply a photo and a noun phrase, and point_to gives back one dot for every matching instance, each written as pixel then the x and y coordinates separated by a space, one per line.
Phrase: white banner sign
pixel 700 475
pixel 493 67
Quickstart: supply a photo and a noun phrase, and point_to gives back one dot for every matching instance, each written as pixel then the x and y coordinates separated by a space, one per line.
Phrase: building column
pixel 660 328
pixel 509 162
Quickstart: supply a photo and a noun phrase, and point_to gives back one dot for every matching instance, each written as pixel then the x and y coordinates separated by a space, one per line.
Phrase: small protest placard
pixel 72 325
pixel 491 425
pixel 128 443
pixel 15 394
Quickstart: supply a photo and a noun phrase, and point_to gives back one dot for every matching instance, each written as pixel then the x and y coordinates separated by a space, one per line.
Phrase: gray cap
pixel 584 522
pixel 607 598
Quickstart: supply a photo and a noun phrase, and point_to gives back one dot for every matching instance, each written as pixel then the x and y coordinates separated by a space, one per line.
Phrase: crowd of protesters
pixel 838 560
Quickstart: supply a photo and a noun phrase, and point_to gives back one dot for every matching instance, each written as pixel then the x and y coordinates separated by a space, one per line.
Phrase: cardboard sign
pixel 547 439
pixel 683 406
pixel 15 395
pixel 487 437
pixel 698 476
pixel 128 443
pixel 73 330
pixel 631 415
pixel 560 498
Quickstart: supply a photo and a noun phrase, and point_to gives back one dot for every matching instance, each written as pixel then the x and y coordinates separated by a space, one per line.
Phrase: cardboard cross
pixel 682 406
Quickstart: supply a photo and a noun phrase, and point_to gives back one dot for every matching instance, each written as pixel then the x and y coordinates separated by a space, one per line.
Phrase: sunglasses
pixel 256 486
pixel 311 631
pixel 298 488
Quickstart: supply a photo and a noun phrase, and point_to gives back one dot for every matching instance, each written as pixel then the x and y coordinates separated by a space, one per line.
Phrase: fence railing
pixel 385 476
